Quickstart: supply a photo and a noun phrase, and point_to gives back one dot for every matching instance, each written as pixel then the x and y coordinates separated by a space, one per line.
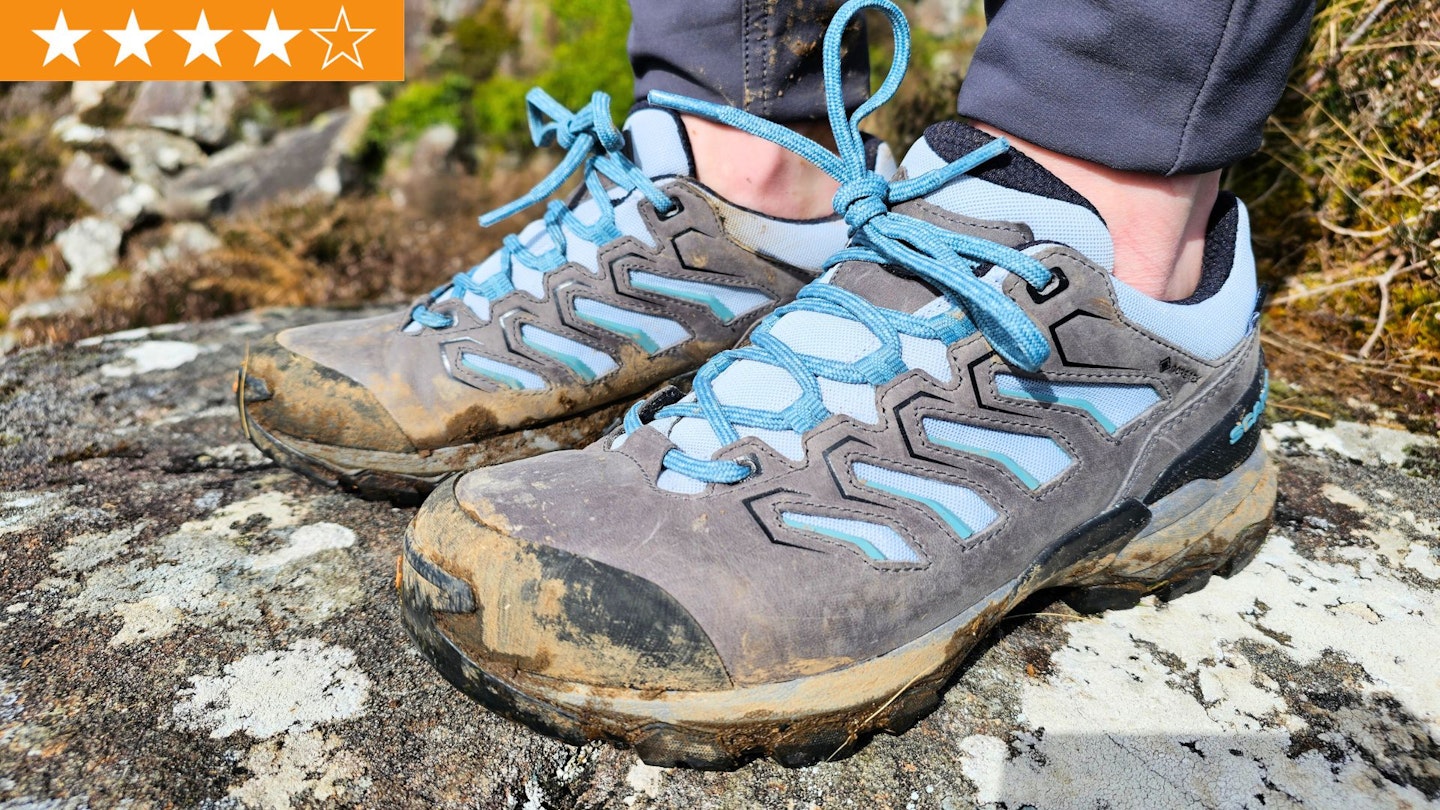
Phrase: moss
pixel 420 105
pixel 478 43
pixel 1343 191
pixel 587 53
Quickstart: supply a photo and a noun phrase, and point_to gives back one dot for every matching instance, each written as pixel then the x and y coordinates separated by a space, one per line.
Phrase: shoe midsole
pixel 572 432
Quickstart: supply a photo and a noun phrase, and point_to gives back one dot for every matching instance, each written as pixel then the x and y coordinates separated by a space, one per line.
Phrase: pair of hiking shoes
pixel 904 420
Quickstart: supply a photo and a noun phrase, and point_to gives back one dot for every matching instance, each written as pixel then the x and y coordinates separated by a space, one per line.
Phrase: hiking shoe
pixel 966 409
pixel 642 277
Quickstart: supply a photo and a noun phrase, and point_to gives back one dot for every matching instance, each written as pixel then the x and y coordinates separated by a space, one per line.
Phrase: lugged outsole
pixel 1124 565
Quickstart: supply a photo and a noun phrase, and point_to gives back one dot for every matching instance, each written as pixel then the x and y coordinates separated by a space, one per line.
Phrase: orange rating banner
pixel 202 40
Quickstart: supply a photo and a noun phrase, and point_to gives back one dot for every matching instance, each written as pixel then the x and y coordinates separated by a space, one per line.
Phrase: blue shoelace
pixel 593 144
pixel 946 259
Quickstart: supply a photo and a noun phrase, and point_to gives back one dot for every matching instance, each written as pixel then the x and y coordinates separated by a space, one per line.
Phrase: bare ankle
pixel 757 174
pixel 1158 223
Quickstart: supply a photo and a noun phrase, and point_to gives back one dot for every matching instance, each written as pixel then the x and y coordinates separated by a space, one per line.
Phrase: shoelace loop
pixel 594 145
pixel 947 259
pixel 862 199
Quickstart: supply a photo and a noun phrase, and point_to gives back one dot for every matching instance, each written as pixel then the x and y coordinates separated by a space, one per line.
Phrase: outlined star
pixel 132 41
pixel 61 40
pixel 203 39
pixel 348 38
pixel 272 40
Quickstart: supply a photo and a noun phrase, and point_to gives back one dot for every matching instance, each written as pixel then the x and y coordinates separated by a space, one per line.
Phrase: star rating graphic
pixel 203 40
pixel 346 35
pixel 132 41
pixel 272 40
pixel 62 40
pixel 150 42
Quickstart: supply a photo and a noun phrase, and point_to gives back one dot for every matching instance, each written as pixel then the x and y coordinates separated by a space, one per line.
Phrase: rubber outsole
pixel 1111 562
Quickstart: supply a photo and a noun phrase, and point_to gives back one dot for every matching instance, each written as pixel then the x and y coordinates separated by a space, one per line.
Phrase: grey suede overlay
pixel 778 603
pixel 438 402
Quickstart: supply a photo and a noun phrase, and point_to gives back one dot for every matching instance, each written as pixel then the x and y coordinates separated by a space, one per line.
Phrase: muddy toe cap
pixel 509 603
pixel 288 393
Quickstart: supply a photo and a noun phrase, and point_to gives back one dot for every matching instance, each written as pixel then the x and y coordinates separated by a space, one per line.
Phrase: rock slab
pixel 183 623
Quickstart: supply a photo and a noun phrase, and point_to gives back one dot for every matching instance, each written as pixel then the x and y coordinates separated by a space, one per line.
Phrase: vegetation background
pixel 1345 194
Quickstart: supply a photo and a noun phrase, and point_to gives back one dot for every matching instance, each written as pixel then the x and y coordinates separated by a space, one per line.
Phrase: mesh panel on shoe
pixel 750 384
pixel 652 333
pixel 877 542
pixel 1049 219
pixel 503 373
pixel 827 336
pixel 586 362
pixel 805 244
pixel 728 303
pixel 657 141
pixel 1113 405
pixel 964 511
pixel 1209 328
pixel 856 400
pixel 1035 460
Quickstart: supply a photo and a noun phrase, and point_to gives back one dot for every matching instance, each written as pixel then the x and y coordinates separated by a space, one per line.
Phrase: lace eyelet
pixel 664 215
pixel 1058 284
pixel 749 462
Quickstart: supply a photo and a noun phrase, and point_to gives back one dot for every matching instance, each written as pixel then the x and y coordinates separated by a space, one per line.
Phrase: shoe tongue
pixel 657 142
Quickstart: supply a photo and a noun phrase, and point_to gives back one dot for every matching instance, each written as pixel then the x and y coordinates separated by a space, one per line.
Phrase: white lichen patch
pixel 151 355
pixel 299 765
pixel 645 780
pixel 307 541
pixel 23 511
pixel 265 694
pixel 84 552
pixel 223 570
pixel 1163 705
pixel 1367 444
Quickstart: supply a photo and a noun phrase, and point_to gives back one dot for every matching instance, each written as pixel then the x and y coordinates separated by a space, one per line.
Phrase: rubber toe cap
pixel 510 603
pixel 288 393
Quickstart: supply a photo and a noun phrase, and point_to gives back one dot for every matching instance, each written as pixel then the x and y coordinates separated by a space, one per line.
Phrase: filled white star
pixel 272 40
pixel 132 41
pixel 346 37
pixel 203 39
pixel 61 40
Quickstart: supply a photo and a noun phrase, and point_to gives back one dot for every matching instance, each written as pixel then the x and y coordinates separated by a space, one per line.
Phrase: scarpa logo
pixel 1253 415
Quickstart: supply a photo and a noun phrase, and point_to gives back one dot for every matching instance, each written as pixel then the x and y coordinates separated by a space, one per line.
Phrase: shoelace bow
pixel 877 234
pixel 592 143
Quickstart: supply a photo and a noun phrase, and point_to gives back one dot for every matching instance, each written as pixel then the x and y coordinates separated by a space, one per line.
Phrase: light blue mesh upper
pixel 964 511
pixel 504 373
pixel 653 333
pixel 1114 405
pixel 586 362
pixel 1035 460
pixel 877 542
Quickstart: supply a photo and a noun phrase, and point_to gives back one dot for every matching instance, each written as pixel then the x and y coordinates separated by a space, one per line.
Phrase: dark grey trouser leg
pixel 763 56
pixel 1140 85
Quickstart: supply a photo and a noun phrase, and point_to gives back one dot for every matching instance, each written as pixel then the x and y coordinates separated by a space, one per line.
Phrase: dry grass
pixel 1345 199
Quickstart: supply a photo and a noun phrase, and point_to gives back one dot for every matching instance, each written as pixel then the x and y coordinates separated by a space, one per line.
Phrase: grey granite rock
pixel 171 245
pixel 202 111
pixel 153 155
pixel 312 161
pixel 91 248
pixel 113 195
pixel 183 623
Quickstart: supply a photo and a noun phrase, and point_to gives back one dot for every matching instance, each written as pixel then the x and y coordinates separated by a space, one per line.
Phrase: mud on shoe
pixel 968 408
pixel 643 276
